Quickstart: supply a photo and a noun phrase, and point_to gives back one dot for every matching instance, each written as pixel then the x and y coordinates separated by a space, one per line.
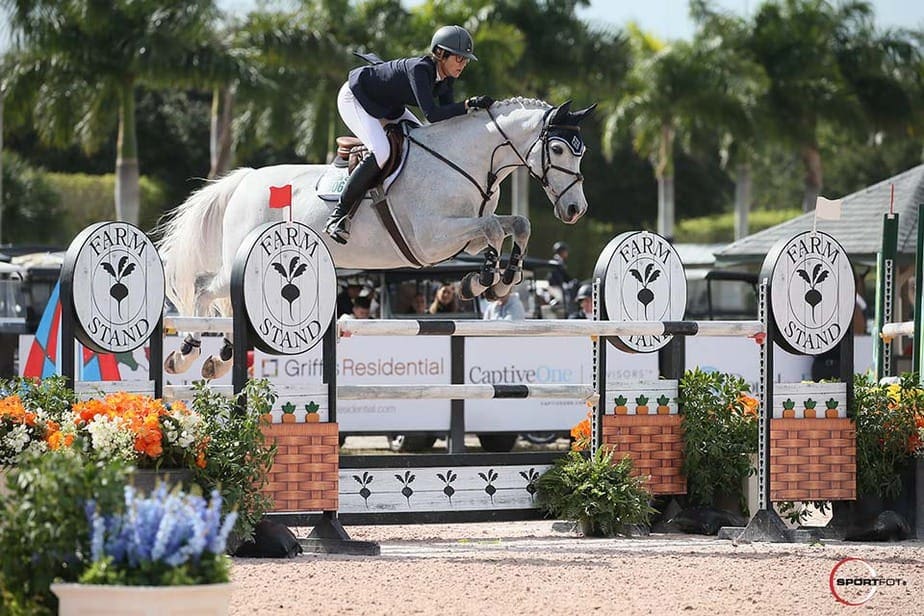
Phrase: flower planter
pixel 145 479
pixel 92 599
pixel 305 473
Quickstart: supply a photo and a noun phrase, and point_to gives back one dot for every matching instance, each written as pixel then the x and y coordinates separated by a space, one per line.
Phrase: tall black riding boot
pixel 338 224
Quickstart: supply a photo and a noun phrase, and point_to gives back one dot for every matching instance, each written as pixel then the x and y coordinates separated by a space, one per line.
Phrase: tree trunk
pixel 127 183
pixel 811 158
pixel 742 199
pixel 220 137
pixel 665 174
pixel 666 206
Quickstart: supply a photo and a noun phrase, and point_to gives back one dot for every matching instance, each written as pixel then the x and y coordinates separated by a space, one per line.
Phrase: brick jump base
pixel 305 474
pixel 813 459
pixel 655 445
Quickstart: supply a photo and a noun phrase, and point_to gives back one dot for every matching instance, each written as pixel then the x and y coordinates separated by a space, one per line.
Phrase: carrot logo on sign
pixel 854 581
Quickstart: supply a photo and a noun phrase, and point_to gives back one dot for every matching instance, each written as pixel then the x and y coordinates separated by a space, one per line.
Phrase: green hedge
pixel 721 228
pixel 86 199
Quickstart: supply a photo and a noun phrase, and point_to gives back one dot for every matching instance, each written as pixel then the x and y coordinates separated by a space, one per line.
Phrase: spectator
pixel 361 308
pixel 347 295
pixel 420 304
pixel 507 308
pixel 585 301
pixel 561 285
pixel 445 300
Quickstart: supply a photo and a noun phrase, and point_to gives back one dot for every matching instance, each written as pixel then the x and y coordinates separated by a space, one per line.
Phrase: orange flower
pixel 59 440
pixel 749 404
pixel 581 434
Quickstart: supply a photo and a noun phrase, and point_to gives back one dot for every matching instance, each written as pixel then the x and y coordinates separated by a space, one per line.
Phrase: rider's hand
pixel 479 102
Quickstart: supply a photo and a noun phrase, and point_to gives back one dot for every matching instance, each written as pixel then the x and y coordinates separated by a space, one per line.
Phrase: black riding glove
pixel 479 102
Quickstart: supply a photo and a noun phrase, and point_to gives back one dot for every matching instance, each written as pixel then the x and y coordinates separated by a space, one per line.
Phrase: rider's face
pixel 453 65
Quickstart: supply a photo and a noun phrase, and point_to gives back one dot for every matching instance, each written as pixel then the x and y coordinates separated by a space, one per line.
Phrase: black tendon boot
pixel 338 224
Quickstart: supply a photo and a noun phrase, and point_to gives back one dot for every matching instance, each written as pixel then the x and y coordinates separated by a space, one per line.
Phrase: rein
pixel 489 190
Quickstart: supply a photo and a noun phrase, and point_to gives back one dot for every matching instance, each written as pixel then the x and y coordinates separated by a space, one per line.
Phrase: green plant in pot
pixel 719 435
pixel 597 492
pixel 44 531
pixel 238 457
pixel 888 418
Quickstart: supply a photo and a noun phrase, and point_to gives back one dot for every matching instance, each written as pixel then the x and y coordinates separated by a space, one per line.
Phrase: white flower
pixel 110 439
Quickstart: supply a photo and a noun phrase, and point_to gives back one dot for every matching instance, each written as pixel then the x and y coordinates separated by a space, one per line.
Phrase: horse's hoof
pixel 470 287
pixel 215 368
pixel 177 363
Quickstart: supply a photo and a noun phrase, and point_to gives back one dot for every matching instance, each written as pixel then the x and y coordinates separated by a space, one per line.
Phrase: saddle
pixel 352 151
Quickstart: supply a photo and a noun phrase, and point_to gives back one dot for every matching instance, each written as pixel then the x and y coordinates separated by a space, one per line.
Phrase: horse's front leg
pixel 519 228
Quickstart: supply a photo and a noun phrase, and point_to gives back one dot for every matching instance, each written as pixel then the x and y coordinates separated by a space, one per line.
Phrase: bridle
pixel 546 161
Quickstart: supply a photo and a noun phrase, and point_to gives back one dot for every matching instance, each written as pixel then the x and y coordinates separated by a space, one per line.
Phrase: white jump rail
pixel 547 327
pixel 199 324
pixel 565 391
pixel 893 330
pixel 529 327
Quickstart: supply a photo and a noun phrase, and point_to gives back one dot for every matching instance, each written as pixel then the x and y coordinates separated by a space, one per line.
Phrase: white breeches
pixel 369 130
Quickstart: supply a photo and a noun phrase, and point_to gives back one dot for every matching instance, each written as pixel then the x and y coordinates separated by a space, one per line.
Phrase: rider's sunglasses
pixel 460 59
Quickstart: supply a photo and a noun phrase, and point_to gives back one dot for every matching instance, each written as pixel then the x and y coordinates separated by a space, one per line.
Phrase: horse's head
pixel 555 160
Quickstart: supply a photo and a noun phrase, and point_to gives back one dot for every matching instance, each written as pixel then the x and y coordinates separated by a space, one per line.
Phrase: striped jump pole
pixel 550 327
pixel 584 392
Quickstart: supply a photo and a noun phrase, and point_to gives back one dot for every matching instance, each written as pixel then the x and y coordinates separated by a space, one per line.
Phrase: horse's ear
pixel 583 113
pixel 561 113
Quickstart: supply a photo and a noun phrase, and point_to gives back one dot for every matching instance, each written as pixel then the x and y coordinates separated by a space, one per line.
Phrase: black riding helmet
pixel 454 39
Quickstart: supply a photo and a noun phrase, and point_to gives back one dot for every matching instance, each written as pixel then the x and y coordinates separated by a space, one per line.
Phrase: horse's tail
pixel 190 242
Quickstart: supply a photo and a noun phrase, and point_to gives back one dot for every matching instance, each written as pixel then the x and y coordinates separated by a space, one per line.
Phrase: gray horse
pixel 442 202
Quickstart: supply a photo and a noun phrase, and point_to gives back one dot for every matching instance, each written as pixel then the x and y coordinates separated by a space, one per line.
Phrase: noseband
pixel 546 161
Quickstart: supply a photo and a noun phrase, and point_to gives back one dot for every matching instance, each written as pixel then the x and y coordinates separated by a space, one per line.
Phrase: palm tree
pixel 741 83
pixel 827 65
pixel 288 97
pixel 672 90
pixel 77 65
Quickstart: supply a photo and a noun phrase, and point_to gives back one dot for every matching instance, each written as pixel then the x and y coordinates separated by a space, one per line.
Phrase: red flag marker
pixel 280 196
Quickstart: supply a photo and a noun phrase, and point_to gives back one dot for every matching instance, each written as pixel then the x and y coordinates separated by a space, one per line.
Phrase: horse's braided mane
pixel 521 101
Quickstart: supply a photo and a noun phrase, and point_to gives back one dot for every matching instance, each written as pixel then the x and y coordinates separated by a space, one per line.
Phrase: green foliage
pixel 216 568
pixel 238 459
pixel 596 491
pixel 87 199
pixel 721 227
pixel 886 429
pixel 719 433
pixel 30 205
pixel 44 532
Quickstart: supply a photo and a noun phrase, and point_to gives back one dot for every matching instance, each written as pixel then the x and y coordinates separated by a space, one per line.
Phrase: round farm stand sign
pixel 812 292
pixel 117 282
pixel 289 285
pixel 642 279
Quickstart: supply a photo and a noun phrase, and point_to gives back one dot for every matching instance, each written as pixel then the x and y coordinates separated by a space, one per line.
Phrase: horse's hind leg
pixel 215 367
pixel 179 361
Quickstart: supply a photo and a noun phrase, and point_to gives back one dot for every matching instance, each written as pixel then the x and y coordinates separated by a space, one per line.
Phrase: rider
pixel 378 94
